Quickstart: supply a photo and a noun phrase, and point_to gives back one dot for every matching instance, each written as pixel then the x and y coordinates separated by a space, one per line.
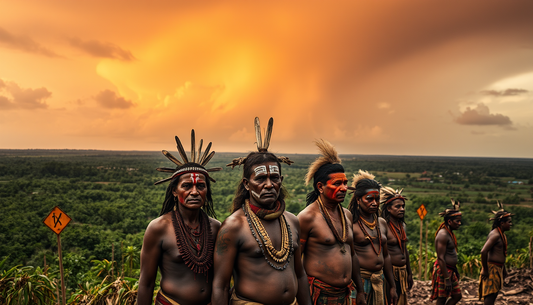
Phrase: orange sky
pixel 413 77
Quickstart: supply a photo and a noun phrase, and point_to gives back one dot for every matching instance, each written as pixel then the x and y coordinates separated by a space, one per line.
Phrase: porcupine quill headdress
pixel 320 169
pixel 452 212
pixel 501 213
pixel 197 162
pixel 262 146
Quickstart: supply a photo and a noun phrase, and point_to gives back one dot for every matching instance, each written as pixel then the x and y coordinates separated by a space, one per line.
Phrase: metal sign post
pixel 57 220
pixel 422 212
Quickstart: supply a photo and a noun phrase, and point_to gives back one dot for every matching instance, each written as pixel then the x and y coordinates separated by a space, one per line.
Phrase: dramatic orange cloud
pixel 414 77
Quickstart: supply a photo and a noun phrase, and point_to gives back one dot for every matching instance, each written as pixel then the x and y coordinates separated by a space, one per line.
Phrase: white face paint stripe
pixel 194 177
pixel 260 170
pixel 273 169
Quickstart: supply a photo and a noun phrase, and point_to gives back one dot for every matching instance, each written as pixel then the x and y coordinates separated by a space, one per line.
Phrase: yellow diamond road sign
pixel 57 220
pixel 422 211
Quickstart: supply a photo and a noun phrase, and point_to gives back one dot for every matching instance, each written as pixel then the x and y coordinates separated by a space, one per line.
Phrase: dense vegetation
pixel 111 198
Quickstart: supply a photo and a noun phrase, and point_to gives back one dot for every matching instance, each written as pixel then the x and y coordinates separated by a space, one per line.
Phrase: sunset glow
pixel 417 77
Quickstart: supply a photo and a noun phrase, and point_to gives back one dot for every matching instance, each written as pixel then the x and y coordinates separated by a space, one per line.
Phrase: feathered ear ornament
pixel 196 159
pixel 262 146
pixel 329 156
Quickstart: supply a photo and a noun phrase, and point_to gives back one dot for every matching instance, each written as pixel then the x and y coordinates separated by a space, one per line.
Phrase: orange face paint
pixel 337 182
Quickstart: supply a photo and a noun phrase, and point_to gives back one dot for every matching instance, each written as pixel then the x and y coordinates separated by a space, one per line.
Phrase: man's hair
pixel 253 158
pixel 499 220
pixel 322 175
pixel 361 187
pixel 169 203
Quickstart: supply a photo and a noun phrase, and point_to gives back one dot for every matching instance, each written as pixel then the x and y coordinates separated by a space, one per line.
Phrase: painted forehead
pixel 195 177
pixel 337 176
pixel 262 169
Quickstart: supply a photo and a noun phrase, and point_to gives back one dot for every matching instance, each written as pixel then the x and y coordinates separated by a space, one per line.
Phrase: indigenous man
pixel 370 241
pixel 258 242
pixel 327 237
pixel 393 211
pixel 181 240
pixel 493 257
pixel 445 279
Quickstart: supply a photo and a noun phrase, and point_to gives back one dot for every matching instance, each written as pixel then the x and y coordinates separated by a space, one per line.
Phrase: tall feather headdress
pixel 262 146
pixel 197 162
pixel 329 156
pixel 389 194
pixel 453 211
pixel 501 213
pixel 360 176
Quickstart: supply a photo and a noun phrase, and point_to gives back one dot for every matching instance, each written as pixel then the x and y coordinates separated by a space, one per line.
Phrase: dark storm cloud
pixel 506 92
pixel 482 116
pixel 23 98
pixel 102 49
pixel 24 43
pixel 109 99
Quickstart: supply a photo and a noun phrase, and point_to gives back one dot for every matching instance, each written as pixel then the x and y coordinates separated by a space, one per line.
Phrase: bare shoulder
pixel 235 222
pixel 382 223
pixel 215 224
pixel 159 225
pixel 308 214
pixel 348 214
pixel 291 218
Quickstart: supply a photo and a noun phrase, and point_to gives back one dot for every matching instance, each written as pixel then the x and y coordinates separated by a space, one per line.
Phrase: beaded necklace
pixel 367 236
pixel 395 230
pixel 370 225
pixel 327 217
pixel 197 256
pixel 287 248
pixel 504 239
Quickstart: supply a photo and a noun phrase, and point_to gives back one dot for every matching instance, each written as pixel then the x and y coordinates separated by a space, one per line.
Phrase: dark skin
pixel 160 250
pixel 368 206
pixel 447 255
pixel 322 255
pixel 493 251
pixel 398 256
pixel 237 252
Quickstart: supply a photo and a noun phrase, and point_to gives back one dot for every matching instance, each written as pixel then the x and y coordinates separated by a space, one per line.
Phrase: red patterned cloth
pixel 322 293
pixel 438 284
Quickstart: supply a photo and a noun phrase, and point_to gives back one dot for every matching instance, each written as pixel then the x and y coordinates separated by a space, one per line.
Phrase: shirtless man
pixel 327 237
pixel 393 211
pixel 370 240
pixel 445 279
pixel 180 241
pixel 493 257
pixel 259 242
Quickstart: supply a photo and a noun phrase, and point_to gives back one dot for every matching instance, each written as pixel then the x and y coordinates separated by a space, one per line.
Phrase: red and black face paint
pixel 337 183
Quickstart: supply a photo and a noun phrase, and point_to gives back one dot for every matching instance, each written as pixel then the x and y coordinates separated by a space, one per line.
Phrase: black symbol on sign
pixel 56 219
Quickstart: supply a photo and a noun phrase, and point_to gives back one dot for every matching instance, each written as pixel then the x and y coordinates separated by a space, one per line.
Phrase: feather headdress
pixel 452 212
pixel 501 213
pixel 197 162
pixel 389 194
pixel 360 176
pixel 329 156
pixel 262 146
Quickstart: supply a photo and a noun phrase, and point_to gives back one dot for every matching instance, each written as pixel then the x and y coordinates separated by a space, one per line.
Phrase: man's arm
pixel 224 259
pixel 150 255
pixel 410 281
pixel 306 224
pixel 489 244
pixel 441 242
pixel 387 264
pixel 356 278
pixel 303 295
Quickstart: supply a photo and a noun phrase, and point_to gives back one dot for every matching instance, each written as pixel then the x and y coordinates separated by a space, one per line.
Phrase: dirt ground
pixel 517 289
